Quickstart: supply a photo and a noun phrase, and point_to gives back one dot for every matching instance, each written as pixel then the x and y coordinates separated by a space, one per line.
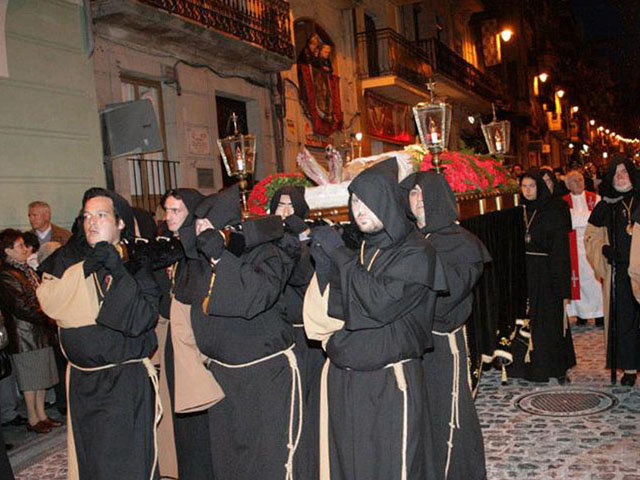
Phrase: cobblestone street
pixel 603 446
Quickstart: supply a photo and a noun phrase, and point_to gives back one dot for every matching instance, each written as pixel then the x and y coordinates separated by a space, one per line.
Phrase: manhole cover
pixel 566 402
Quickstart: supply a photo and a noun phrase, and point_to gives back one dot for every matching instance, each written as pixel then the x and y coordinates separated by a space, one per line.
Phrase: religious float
pixel 488 206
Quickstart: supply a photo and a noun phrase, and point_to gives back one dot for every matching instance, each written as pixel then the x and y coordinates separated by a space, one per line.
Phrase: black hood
pixel 147 227
pixel 543 195
pixel 187 231
pixel 221 209
pixel 606 189
pixel 261 230
pixel 440 207
pixel 378 188
pixel 300 206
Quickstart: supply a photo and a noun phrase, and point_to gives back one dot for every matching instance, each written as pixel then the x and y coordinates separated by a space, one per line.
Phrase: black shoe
pixel 17 421
pixel 628 379
pixel 599 322
pixel 581 321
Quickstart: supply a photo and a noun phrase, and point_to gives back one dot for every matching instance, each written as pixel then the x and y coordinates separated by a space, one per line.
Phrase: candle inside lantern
pixel 498 139
pixel 239 159
pixel 433 131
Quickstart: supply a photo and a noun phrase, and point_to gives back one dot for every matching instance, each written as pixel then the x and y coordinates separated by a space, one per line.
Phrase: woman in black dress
pixel 549 352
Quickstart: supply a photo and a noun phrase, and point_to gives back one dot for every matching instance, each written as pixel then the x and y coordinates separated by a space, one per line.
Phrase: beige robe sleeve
pixel 72 301
pixel 318 325
pixel 594 239
pixel 634 261
pixel 195 387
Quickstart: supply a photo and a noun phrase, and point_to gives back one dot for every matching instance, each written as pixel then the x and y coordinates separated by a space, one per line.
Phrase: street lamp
pixel 575 109
pixel 592 122
pixel 434 125
pixel 543 77
pixel 497 134
pixel 560 93
pixel 238 155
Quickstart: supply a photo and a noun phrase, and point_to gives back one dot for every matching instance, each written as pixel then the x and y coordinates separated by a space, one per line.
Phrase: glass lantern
pixel 434 125
pixel 497 135
pixel 238 155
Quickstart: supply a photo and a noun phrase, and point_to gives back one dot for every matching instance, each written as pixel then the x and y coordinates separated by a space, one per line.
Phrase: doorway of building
pixel 225 107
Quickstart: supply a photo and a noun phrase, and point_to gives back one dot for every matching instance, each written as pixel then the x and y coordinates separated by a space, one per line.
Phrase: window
pixel 150 175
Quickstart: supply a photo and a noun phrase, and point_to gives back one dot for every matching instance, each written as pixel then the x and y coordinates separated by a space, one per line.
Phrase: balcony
pixel 218 31
pixel 390 65
pixel 456 77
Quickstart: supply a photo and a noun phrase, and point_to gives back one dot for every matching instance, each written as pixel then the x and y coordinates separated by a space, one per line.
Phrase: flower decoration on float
pixel 264 190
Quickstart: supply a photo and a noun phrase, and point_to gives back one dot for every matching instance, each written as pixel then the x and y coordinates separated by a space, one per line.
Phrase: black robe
pixel 310 353
pixel 463 256
pixel 387 305
pixel 191 430
pixel 548 285
pixel 611 213
pixel 245 321
pixel 112 410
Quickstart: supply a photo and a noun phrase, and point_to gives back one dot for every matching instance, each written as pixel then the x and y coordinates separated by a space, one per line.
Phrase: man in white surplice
pixel 586 291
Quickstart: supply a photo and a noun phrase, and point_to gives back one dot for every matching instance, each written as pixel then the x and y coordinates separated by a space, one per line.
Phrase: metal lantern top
pixel 497 135
pixel 434 122
pixel 238 152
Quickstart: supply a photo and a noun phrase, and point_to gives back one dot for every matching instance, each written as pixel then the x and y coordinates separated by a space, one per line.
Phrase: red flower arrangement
pixel 263 191
pixel 465 172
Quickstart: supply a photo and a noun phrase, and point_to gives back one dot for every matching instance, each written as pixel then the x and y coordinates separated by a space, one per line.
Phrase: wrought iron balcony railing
pixel 150 179
pixel 386 52
pixel 445 61
pixel 266 23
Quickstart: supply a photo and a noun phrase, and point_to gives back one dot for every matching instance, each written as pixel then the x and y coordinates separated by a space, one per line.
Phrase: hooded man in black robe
pixel 457 438
pixel 240 323
pixel 289 203
pixel 385 293
pixel 608 243
pixel 549 351
pixel 191 429
pixel 107 340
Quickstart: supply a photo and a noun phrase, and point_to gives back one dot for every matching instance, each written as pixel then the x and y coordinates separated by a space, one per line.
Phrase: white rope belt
pixel 538 254
pixel 401 383
pixel 296 394
pixel 153 376
pixel 298 325
pixel 454 420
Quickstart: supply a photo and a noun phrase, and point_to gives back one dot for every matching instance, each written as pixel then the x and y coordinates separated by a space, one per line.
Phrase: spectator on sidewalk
pixel 40 219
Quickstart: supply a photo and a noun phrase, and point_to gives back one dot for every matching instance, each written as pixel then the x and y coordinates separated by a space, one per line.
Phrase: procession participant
pixel 586 291
pixel 240 323
pixel 550 350
pixel 634 256
pixel 185 372
pixel 289 203
pixel 608 243
pixel 106 307
pixel 457 438
pixel 374 379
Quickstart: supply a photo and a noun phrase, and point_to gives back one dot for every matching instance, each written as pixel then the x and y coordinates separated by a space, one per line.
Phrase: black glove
pixel 295 224
pixel 96 258
pixel 113 262
pixel 326 237
pixel 210 243
pixel 609 253
pixel 323 264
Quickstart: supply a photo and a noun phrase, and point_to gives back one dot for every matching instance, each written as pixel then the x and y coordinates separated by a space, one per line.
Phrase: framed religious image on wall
pixel 387 120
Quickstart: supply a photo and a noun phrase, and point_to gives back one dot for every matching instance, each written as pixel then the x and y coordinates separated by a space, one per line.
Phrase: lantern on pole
pixel 238 155
pixel 497 135
pixel 434 125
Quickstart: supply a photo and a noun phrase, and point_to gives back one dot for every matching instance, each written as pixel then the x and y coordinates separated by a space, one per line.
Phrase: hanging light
pixel 543 77
pixel 238 155
pixel 497 134
pixel 607 131
pixel 560 93
pixel 592 122
pixel 506 34
pixel 471 119
pixel 605 155
pixel 434 125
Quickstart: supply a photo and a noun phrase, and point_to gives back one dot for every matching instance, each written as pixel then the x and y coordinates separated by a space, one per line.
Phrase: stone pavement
pixel 604 446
